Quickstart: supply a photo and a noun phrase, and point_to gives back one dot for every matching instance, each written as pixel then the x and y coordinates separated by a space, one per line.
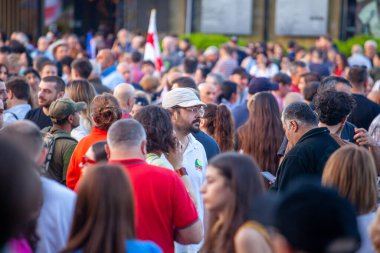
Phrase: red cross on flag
pixel 152 46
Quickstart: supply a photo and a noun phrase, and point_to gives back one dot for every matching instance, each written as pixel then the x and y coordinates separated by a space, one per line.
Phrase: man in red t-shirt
pixel 164 211
pixel 297 68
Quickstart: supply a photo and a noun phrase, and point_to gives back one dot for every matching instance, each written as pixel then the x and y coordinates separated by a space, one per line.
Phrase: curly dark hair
pixel 158 127
pixel 332 106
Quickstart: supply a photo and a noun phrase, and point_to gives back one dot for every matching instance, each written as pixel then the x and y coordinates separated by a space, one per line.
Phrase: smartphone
pixel 268 176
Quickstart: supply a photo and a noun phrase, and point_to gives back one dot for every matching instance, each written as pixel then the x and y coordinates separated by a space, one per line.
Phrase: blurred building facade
pixel 261 19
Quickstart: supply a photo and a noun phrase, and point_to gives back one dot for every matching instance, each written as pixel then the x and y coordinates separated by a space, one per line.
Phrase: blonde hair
pixel 150 83
pixel 351 170
pixel 82 91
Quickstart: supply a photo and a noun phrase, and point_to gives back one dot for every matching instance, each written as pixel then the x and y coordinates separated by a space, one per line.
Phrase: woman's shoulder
pixel 252 237
pixel 142 246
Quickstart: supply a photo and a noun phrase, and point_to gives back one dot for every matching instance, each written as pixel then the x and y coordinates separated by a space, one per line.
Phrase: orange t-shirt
pixel 74 171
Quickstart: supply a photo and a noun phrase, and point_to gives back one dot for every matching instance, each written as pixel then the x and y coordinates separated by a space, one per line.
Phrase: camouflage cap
pixel 63 107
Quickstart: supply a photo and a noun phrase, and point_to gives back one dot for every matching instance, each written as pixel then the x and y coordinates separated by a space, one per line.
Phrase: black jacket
pixel 307 157
pixel 364 112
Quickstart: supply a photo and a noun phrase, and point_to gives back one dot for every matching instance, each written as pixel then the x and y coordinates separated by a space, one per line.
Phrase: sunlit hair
pixel 103 217
pixel 105 110
pixel 261 136
pixel 220 125
pixel 82 91
pixel 352 171
pixel 243 177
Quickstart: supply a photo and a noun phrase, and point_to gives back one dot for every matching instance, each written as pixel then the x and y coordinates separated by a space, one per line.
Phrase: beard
pixel 193 127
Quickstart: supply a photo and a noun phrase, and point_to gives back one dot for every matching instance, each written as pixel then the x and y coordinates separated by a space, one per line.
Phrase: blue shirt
pixel 240 113
pixel 137 246
pixel 142 246
pixel 111 78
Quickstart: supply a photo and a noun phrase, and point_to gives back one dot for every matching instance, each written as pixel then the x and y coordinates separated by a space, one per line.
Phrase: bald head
pixel 105 58
pixel 125 134
pixel 27 135
pixel 292 97
pixel 207 92
pixel 125 95
pixel 125 70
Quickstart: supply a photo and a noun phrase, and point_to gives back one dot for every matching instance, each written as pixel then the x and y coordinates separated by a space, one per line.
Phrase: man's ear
pixel 203 122
pixel 173 114
pixel 60 94
pixel 10 94
pixel 294 125
pixel 107 149
pixel 70 118
pixel 143 147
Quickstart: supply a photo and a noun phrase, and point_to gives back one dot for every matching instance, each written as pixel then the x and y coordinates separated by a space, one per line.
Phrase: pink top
pixel 19 246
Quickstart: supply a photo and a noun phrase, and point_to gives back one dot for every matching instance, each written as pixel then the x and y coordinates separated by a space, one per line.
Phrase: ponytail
pixel 224 126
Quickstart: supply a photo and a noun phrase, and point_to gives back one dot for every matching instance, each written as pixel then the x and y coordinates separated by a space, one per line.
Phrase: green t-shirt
pixel 160 161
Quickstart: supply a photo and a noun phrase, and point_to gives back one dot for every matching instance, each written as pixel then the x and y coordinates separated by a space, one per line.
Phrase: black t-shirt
pixel 38 116
pixel 364 112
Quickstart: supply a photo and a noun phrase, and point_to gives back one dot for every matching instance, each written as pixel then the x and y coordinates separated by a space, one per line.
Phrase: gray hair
pixel 27 135
pixel 125 133
pixel 330 82
pixel 294 65
pixel 300 112
pixel 370 43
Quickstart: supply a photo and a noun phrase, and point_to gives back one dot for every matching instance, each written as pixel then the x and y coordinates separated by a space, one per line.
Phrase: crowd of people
pixel 263 148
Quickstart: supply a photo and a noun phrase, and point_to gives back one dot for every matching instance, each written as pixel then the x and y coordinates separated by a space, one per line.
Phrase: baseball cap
pixel 234 39
pixel 63 107
pixel 183 97
pixel 259 84
pixel 316 219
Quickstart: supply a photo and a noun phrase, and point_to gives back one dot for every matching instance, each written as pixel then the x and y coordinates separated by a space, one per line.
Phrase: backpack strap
pixel 55 137
pixel 13 114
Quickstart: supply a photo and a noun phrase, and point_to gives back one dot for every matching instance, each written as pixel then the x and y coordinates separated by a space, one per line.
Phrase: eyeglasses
pixel 195 110
pixel 86 160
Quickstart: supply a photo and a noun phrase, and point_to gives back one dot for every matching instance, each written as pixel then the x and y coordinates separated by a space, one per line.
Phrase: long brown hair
pixel 220 125
pixel 352 171
pixel 82 91
pixel 261 136
pixel 242 175
pixel 104 212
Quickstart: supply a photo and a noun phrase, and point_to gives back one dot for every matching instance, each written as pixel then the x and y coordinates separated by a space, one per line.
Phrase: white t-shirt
pixel 55 217
pixel 364 222
pixel 269 72
pixel 195 162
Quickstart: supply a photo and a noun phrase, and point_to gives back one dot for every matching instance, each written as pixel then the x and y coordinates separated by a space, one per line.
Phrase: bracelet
pixel 181 171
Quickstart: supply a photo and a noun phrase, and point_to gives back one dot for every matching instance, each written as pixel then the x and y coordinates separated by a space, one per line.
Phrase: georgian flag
pixel 152 46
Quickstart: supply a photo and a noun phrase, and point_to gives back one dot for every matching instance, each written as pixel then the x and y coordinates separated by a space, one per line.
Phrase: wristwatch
pixel 181 171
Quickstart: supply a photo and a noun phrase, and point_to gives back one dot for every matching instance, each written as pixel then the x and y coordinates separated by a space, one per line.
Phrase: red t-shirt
pixel 73 170
pixel 294 88
pixel 162 203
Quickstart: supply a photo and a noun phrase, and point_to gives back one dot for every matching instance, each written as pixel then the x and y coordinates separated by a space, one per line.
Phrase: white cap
pixel 183 97
pixel 211 50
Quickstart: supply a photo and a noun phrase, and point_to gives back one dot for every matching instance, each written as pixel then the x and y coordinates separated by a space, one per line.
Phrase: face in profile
pixel 47 93
pixel 215 191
